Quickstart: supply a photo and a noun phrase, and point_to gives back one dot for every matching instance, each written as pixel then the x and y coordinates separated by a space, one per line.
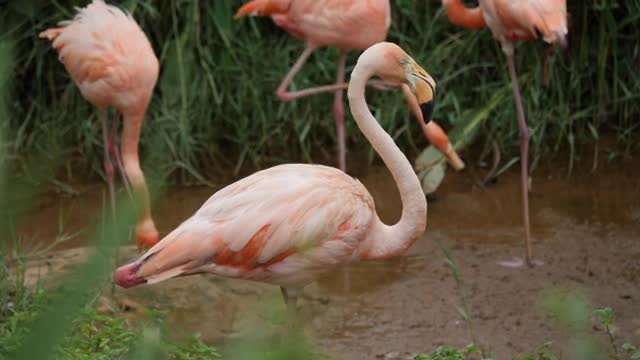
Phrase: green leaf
pixel 178 67
pixel 473 349
pixel 628 347
pixel 605 315
pixel 463 313
pixel 636 356
pixel 428 158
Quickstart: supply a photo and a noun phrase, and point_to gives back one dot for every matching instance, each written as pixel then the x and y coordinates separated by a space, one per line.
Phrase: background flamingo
pixel 111 61
pixel 510 21
pixel 290 223
pixel 345 24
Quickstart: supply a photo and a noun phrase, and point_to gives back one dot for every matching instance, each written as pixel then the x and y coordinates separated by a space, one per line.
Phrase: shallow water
pixel 585 228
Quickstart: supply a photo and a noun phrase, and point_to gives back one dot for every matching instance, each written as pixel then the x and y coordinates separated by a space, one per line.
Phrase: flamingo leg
pixel 113 147
pixel 283 94
pixel 108 165
pixel 524 159
pixel 338 111
pixel 146 233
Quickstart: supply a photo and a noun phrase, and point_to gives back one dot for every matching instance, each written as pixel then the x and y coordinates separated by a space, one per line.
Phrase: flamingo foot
pixel 520 263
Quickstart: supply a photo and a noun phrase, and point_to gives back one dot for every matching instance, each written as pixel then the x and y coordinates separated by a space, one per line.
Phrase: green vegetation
pixel 94 336
pixel 214 106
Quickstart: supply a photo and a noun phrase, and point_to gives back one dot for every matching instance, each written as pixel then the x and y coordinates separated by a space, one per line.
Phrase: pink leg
pixel 146 233
pixel 108 165
pixel 338 110
pixel 113 148
pixel 283 94
pixel 524 160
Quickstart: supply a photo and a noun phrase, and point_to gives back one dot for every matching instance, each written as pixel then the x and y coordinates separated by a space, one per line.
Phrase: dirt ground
pixel 586 230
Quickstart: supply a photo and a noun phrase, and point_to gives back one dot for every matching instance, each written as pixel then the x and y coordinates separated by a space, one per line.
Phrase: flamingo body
pixel 113 64
pixel 345 24
pixel 108 57
pixel 283 225
pixel 524 20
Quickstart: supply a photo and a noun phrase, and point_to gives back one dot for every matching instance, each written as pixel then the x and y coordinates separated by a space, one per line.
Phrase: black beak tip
pixel 427 111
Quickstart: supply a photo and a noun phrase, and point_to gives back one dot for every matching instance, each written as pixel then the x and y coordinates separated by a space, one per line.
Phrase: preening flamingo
pixel 510 21
pixel 111 61
pixel 290 223
pixel 347 25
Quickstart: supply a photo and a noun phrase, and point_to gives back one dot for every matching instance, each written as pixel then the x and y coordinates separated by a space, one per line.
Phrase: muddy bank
pixel 586 229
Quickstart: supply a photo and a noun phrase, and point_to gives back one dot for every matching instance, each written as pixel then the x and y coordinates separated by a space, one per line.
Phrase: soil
pixel 586 230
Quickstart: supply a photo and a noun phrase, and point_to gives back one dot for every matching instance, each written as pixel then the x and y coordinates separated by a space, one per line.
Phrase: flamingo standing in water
pixel 345 24
pixel 111 60
pixel 510 21
pixel 288 224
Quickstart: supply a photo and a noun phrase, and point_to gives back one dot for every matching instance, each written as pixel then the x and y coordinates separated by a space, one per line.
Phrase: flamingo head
pixel 419 89
pixel 400 68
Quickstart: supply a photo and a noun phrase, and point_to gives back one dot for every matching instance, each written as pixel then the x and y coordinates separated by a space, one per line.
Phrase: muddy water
pixel 585 228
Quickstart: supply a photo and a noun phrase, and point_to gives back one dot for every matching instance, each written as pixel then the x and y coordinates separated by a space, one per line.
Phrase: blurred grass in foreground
pixel 214 106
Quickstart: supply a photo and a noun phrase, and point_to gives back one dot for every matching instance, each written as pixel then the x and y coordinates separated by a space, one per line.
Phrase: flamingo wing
pixel 280 225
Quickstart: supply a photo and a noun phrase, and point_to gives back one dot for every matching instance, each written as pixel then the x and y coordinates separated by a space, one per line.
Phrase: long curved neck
pixel 386 241
pixel 458 14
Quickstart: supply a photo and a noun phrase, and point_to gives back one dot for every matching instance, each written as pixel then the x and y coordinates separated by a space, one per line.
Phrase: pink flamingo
pixel 111 61
pixel 290 223
pixel 345 24
pixel 510 21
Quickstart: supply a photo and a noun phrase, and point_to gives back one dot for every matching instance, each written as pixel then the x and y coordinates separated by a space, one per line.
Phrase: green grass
pixel 214 106
pixel 94 335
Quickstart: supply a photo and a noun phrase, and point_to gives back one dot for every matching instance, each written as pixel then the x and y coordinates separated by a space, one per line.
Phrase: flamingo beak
pixel 424 89
pixel 420 96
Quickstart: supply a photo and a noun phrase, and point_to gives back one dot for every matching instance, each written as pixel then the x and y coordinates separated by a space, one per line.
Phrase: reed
pixel 214 106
